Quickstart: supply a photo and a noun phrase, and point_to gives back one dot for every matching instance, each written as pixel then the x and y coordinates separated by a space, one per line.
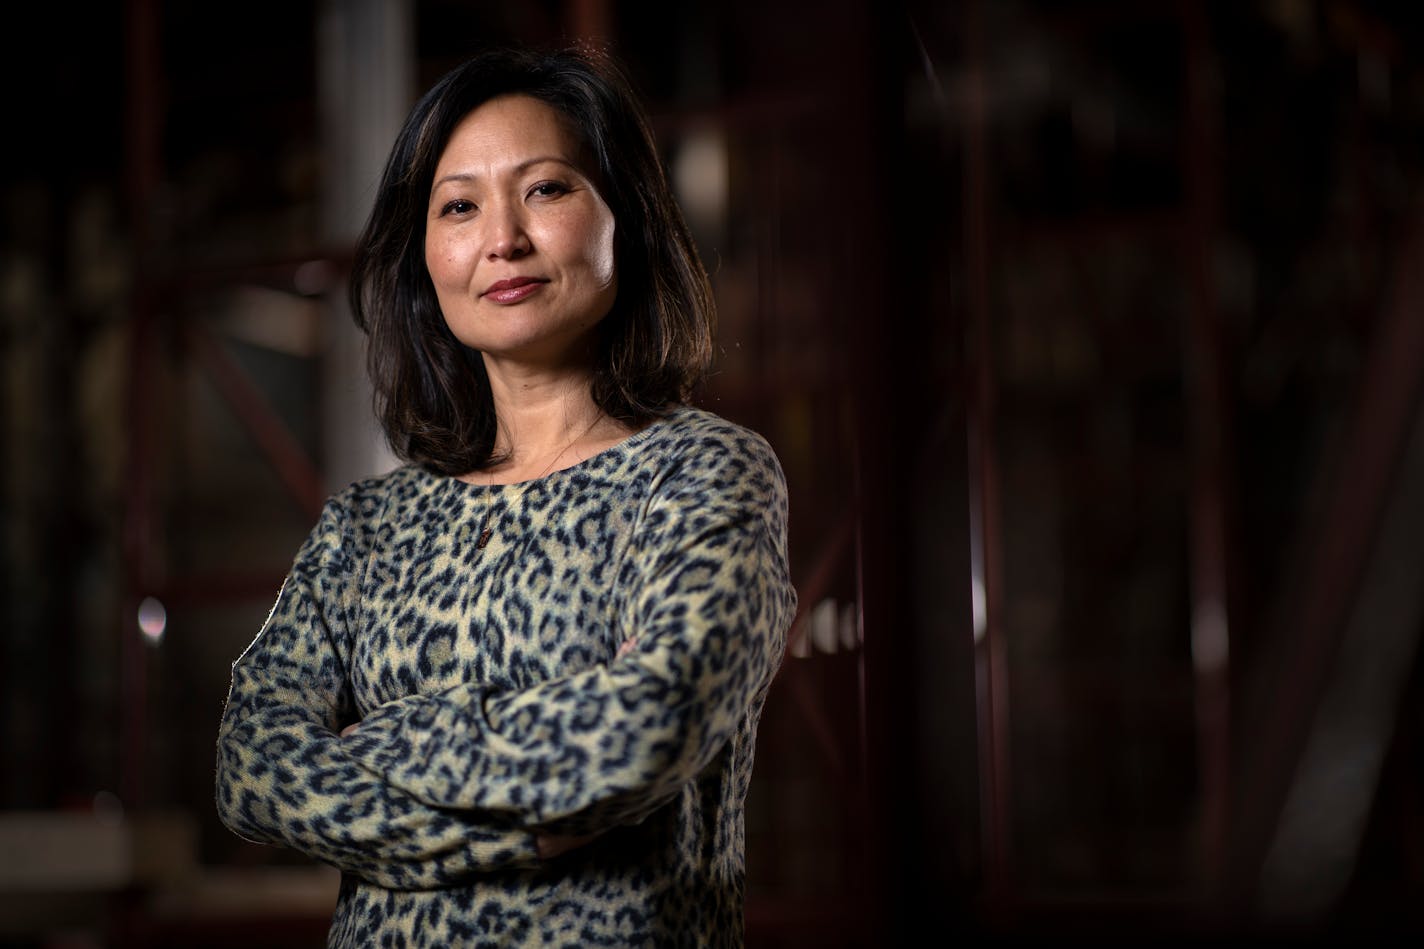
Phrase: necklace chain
pixel 486 531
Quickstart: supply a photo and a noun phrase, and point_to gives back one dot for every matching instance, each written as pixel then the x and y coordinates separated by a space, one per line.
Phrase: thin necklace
pixel 486 531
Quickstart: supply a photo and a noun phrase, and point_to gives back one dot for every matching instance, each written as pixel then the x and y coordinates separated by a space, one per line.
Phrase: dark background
pixel 1090 335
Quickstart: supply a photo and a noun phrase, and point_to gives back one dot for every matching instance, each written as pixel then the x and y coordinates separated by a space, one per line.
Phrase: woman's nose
pixel 508 238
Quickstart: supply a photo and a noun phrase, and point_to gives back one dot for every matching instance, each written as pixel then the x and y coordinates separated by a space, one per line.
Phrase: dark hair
pixel 432 395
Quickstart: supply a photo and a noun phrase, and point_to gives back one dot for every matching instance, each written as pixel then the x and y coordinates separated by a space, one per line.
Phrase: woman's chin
pixel 539 354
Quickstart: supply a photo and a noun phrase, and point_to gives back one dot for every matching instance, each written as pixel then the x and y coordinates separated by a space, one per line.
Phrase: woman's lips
pixel 512 290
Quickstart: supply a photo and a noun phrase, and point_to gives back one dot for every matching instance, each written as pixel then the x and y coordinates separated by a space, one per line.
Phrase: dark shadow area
pixel 1089 336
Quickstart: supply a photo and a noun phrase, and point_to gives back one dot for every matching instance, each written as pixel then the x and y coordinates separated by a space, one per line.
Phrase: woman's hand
pixel 552 845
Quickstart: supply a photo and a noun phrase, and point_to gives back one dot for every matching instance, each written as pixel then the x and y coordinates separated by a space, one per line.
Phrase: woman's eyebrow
pixel 466 176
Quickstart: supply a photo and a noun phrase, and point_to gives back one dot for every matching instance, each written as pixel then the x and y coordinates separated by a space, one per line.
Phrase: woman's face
pixel 518 241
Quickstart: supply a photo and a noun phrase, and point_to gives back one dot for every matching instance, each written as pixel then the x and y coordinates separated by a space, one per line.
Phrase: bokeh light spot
pixel 152 619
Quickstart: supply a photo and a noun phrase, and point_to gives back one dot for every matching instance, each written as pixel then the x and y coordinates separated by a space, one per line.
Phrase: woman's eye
pixel 458 206
pixel 548 189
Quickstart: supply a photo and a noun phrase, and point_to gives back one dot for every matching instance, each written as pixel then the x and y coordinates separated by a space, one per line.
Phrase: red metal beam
pixel 589 19
pixel 221 587
pixel 818 581
pixel 142 172
pixel 1318 599
pixel 812 591
pixel 991 665
pixel 1209 444
pixel 276 441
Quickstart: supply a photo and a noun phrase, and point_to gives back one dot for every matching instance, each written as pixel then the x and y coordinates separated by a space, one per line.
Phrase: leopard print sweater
pixel 493 704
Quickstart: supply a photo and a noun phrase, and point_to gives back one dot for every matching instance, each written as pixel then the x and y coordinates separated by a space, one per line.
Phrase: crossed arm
pixel 431 789
pixel 550 845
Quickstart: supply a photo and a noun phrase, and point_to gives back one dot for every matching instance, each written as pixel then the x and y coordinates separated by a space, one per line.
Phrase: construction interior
pixel 1090 336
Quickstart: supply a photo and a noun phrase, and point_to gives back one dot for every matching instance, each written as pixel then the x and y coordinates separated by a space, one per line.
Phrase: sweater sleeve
pixel 283 776
pixel 707 594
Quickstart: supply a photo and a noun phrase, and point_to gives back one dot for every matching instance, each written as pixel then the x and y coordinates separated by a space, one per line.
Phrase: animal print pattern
pixel 493 705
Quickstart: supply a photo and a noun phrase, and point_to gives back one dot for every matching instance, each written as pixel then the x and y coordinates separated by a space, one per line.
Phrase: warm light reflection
pixel 825 626
pixel 1210 644
pixel 700 177
pixel 979 606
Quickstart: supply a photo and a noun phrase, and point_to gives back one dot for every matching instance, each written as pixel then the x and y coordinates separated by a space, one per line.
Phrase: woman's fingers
pixel 552 845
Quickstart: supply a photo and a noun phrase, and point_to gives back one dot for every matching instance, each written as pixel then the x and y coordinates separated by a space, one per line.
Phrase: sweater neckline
pixel 613 452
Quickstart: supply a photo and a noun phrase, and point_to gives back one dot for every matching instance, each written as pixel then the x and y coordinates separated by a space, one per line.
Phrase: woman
pixel 511 689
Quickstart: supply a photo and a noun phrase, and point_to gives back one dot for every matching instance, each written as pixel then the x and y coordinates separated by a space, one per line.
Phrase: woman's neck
pixel 547 422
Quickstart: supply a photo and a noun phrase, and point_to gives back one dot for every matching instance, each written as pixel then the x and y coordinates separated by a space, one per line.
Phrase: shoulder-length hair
pixel 432 395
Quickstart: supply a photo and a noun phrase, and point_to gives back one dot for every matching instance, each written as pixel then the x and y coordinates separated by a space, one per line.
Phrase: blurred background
pixel 1090 335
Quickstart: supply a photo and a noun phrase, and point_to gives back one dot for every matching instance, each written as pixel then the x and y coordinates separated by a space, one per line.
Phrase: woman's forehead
pixel 510 132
